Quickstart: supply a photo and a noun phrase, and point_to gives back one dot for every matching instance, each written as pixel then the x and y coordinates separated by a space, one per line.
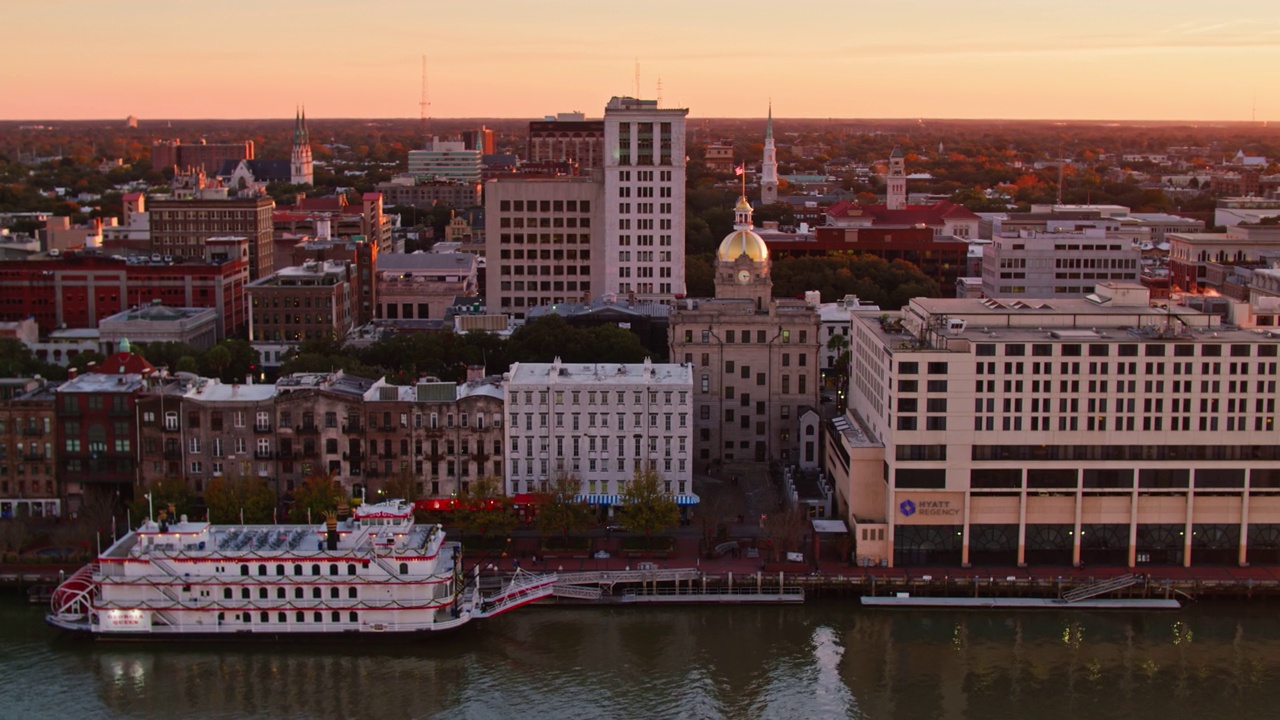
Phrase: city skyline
pixel 1031 60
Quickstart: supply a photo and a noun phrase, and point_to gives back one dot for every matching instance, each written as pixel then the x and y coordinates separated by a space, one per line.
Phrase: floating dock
pixel 1019 603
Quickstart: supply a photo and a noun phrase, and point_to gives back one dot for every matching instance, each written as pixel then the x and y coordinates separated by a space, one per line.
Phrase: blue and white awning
pixel 597 499
pixel 687 499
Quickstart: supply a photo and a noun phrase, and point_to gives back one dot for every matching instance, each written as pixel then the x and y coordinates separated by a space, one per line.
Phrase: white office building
pixel 644 199
pixel 599 422
pixel 445 160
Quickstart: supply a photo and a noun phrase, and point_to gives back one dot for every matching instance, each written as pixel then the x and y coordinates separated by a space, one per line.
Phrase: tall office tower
pixel 896 197
pixel 300 167
pixel 769 169
pixel 644 169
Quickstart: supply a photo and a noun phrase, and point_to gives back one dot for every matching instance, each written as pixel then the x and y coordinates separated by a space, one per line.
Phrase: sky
pixel 1035 59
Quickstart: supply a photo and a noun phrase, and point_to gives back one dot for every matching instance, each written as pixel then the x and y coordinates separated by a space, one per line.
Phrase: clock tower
pixel 742 262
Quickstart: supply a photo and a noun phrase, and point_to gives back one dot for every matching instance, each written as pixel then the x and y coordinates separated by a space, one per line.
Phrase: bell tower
pixel 742 262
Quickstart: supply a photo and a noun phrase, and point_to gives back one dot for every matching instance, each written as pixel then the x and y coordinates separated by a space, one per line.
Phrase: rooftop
pixel 676 374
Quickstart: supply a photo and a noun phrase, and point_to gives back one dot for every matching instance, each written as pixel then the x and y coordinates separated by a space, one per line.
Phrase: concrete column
pixel 1022 528
pixel 1075 536
pixel 964 546
pixel 1244 524
pixel 1133 531
pixel 889 530
pixel 1186 533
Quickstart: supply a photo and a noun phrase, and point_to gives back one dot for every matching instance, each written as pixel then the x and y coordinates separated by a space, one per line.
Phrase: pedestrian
pixel 516 564
pixel 535 558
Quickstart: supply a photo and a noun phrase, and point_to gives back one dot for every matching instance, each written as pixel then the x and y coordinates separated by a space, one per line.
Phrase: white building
pixel 1029 264
pixel 1101 431
pixel 447 160
pixel 644 199
pixel 599 422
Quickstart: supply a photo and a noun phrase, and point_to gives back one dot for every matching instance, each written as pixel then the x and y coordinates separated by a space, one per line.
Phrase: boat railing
pixel 75 595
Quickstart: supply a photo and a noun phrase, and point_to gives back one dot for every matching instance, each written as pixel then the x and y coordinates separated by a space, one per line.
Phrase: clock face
pixel 744 277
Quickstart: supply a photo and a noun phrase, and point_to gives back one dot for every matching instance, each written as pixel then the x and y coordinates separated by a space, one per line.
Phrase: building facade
pixel 28 483
pixel 423 286
pixel 182 228
pixel 568 137
pixel 446 160
pixel 1101 431
pixel 599 423
pixel 544 242
pixel 309 302
pixel 755 359
pixel 644 191
pixel 1030 264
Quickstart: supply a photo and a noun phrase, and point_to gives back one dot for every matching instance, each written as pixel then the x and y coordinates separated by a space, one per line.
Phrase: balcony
pixel 33 456
pixel 307 429
pixel 353 456
pixel 352 427
pixel 171 453
pixel 288 454
pixel 264 454
pixel 33 431
pixel 266 428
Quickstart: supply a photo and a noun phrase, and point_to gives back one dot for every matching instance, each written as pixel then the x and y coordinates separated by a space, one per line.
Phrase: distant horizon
pixel 1181 61
pixel 691 118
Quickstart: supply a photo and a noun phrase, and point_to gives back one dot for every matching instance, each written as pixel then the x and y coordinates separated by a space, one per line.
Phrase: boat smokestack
pixel 331 536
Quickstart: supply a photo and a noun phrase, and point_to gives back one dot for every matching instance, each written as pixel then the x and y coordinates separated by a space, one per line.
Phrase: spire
pixel 768 128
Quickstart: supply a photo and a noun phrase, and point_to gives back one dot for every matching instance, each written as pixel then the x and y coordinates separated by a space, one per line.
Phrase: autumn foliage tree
pixel 559 510
pixel 318 494
pixel 646 506
pixel 484 510
pixel 227 497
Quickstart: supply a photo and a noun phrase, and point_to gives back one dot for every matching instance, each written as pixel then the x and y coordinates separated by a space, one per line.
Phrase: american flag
pixel 739 170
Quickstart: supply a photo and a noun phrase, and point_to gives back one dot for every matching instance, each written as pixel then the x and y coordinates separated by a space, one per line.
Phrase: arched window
pixel 262 593
pixel 226 593
pixel 352 616
pixel 315 568
pixel 404 568
pixel 351 568
pixel 244 569
pixel 315 593
pixel 333 568
pixel 333 592
pixel 279 569
pixel 264 616
pixel 244 593
pixel 282 617
pixel 297 569
pixel 300 616
pixel 351 592
pixel 297 592
pixel 335 616
pixel 280 593
pixel 262 569
pixel 317 616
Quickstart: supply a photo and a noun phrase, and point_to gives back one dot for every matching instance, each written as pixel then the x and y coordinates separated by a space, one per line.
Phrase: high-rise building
pixel 769 168
pixel 644 190
pixel 300 167
pixel 181 228
pixel 1099 431
pixel 543 242
pixel 567 137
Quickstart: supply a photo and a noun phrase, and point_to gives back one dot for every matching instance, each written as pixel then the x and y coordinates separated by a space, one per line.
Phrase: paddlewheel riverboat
pixel 375 572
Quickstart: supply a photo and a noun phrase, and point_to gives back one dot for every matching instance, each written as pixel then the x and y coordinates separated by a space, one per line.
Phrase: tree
pixel 403 486
pixel 785 530
pixel 646 506
pixel 839 344
pixel 165 493
pixel 217 360
pixel 318 494
pixel 227 497
pixel 559 510
pixel 483 509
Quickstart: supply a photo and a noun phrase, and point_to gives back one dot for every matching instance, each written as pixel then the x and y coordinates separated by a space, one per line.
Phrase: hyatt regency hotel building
pixel 1102 430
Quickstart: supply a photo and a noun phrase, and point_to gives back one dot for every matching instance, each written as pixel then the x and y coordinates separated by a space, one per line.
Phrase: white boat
pixel 376 572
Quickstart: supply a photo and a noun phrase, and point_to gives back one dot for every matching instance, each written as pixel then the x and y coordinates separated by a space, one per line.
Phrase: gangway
pixel 1102 587
pixel 577 592
pixel 524 588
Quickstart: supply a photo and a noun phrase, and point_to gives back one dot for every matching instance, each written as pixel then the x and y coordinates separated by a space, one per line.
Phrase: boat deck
pixel 1020 603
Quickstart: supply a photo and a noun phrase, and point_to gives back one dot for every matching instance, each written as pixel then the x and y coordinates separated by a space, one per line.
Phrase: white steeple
pixel 769 170
pixel 300 167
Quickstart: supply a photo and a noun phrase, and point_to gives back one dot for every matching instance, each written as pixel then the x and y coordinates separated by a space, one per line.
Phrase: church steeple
pixel 769 168
pixel 300 165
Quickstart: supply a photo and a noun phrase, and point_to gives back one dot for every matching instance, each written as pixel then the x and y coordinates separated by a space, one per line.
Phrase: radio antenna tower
pixel 424 105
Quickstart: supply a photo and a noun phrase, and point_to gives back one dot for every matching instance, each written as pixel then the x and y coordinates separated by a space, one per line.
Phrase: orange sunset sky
pixel 1113 59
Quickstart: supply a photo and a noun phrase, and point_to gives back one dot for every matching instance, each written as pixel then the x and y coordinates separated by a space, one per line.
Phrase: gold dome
pixel 742 242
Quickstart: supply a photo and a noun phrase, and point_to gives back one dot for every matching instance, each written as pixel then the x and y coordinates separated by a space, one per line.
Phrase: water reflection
pixel 824 660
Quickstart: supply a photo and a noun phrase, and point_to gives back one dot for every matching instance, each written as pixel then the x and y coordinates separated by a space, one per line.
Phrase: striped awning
pixel 687 499
pixel 597 499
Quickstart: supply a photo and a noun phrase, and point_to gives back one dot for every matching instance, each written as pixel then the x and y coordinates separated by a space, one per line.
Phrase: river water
pixel 826 659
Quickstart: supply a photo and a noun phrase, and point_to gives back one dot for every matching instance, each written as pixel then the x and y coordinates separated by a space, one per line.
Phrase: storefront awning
pixel 524 499
pixel 597 499
pixel 687 500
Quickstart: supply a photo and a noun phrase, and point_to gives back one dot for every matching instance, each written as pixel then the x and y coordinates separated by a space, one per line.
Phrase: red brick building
pixel 202 156
pixel 77 291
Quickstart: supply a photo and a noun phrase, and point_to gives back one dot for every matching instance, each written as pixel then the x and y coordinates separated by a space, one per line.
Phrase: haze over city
pixel 1091 59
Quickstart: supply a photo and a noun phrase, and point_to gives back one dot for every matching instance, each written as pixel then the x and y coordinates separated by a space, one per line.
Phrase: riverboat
pixel 376 572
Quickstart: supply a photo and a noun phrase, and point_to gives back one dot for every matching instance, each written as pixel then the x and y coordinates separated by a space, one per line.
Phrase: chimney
pixel 72 373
